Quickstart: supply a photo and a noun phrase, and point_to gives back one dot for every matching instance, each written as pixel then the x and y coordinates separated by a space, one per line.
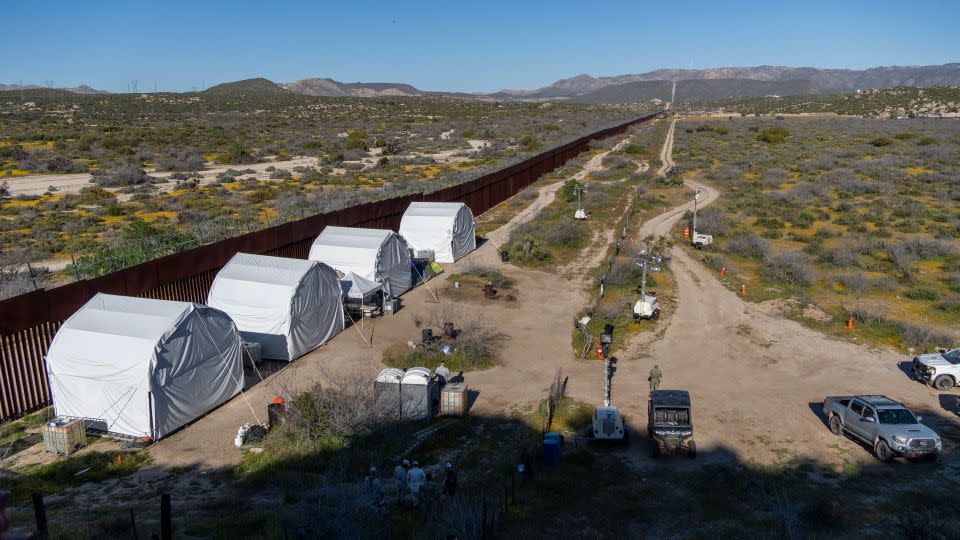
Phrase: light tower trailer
pixel 698 239
pixel 607 423
pixel 580 213
pixel 647 307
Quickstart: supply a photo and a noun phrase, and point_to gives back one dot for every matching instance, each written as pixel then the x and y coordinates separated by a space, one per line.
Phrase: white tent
pixel 374 254
pixel 358 288
pixel 143 367
pixel 445 228
pixel 289 306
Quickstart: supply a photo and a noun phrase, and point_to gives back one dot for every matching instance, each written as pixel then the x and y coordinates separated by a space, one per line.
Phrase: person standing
pixel 654 378
pixel 443 373
pixel 416 477
pixel 375 486
pixel 400 478
pixel 449 480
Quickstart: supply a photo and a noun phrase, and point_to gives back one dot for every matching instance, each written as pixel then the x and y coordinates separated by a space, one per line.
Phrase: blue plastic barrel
pixel 552 436
pixel 551 452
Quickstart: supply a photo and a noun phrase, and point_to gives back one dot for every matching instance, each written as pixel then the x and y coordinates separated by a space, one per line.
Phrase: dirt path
pixel 756 379
pixel 666 152
pixel 591 256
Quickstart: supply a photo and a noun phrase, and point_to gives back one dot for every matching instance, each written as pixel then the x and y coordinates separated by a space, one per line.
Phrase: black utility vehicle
pixel 670 423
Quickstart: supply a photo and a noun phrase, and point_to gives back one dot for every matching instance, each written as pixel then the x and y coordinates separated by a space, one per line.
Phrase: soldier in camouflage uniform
pixel 654 378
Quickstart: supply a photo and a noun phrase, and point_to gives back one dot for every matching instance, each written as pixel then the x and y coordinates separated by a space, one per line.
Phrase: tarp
pixel 356 287
pixel 446 228
pixel 143 367
pixel 374 254
pixel 289 306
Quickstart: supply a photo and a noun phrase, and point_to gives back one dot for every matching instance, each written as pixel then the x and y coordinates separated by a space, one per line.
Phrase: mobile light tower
pixel 647 307
pixel 607 422
pixel 696 199
pixel 699 240
pixel 580 213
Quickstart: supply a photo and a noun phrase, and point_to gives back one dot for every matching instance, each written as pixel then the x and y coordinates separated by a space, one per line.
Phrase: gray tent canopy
pixel 143 367
pixel 289 306
pixel 374 254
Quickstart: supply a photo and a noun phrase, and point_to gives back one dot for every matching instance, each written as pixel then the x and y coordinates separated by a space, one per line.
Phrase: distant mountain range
pixel 817 81
pixel 691 84
pixel 82 89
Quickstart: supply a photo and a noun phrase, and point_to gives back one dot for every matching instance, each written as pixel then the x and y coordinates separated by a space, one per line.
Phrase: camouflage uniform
pixel 654 378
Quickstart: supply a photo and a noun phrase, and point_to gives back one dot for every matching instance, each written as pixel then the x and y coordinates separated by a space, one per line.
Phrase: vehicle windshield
pixel 896 416
pixel 952 356
pixel 671 417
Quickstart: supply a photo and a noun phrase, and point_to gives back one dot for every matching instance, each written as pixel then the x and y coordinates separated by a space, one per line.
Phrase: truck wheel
pixel 835 426
pixel 692 450
pixel 943 383
pixel 656 315
pixel 883 451
pixel 654 450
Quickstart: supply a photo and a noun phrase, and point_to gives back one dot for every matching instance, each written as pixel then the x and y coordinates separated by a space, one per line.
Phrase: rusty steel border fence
pixel 28 322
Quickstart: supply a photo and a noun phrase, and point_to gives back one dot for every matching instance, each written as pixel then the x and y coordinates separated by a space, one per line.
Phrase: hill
pixel 258 87
pixel 331 88
pixel 82 89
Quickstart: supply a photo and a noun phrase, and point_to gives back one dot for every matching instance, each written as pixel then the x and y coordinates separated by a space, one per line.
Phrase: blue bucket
pixel 551 452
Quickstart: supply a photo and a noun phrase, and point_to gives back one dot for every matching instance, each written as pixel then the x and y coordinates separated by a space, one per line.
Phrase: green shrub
pixel 881 141
pixel 773 135
pixel 922 292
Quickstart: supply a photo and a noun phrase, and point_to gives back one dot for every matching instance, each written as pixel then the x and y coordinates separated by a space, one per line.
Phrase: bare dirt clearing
pixel 38 184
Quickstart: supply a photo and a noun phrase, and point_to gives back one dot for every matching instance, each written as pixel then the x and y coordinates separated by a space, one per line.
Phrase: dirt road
pixel 666 152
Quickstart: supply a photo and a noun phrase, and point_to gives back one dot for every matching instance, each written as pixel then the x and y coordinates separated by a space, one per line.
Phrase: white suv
pixel 941 370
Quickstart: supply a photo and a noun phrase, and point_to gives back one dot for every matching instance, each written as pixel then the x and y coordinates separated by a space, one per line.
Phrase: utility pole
pixel 21 90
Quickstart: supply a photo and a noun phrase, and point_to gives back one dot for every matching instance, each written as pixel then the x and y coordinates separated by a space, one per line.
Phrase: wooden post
pixel 166 529
pixel 483 510
pixel 133 524
pixel 40 514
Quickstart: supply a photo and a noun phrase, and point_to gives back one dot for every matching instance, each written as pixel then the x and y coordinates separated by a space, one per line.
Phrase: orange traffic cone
pixel 119 459
pixel 850 323
pixel 743 290
pixel 723 271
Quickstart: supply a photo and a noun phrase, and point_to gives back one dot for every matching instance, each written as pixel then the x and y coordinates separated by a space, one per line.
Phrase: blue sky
pixel 453 45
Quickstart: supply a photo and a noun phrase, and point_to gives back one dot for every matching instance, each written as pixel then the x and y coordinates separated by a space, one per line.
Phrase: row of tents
pixel 143 367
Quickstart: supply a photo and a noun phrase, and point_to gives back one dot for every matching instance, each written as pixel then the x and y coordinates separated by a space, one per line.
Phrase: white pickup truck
pixel 940 370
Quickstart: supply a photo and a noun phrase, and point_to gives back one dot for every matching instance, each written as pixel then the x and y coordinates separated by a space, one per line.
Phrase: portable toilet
pixel 386 391
pixel 418 391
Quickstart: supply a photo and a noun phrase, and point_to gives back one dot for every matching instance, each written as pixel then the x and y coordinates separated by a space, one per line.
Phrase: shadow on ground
pixel 604 491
